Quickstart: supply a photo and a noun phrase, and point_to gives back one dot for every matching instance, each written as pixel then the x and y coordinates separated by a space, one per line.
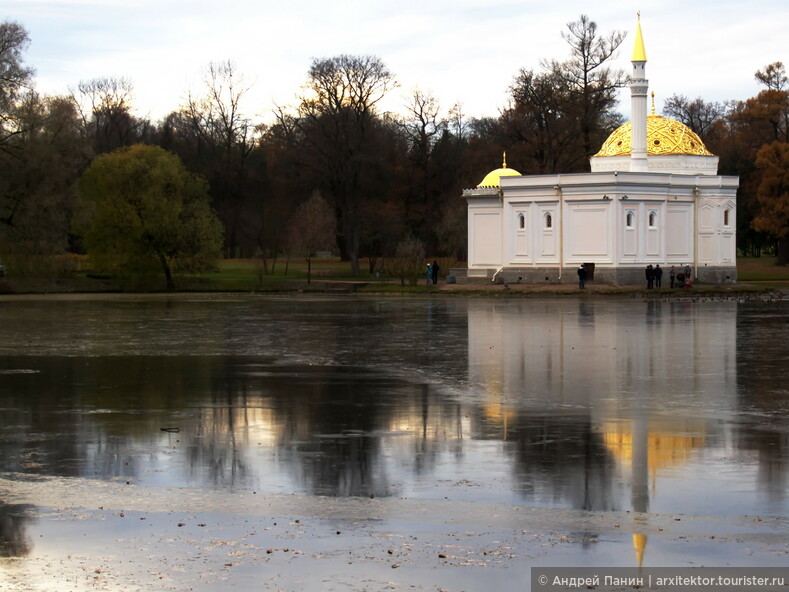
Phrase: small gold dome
pixel 664 136
pixel 492 178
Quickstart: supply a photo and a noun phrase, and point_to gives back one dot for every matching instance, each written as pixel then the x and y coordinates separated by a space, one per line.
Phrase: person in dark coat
pixel 650 275
pixel 582 277
pixel 434 270
pixel 658 275
pixel 672 274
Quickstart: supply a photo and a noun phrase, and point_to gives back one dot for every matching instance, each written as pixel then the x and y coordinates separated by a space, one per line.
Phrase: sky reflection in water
pixel 673 407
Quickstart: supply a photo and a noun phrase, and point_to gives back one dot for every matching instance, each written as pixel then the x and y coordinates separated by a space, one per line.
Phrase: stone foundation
pixel 621 276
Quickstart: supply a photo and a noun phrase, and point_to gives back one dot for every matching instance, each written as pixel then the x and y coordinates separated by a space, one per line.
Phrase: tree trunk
pixel 782 251
pixel 168 276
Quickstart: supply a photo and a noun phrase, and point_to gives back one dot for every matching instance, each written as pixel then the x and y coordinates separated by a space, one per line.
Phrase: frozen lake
pixel 597 405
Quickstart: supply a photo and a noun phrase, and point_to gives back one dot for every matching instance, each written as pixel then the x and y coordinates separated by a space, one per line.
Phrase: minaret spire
pixel 639 53
pixel 638 103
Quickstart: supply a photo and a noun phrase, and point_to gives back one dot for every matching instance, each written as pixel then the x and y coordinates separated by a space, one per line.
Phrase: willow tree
pixel 15 76
pixel 139 206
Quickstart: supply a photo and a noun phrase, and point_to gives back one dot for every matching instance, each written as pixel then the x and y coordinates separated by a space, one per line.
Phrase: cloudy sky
pixel 465 51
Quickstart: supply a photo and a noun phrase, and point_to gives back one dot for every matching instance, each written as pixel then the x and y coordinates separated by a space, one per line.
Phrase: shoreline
pixel 20 286
pixel 740 292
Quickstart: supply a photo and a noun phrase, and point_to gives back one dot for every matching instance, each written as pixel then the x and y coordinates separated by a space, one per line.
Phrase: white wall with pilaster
pixel 485 231
pixel 717 231
pixel 589 233
pixel 679 232
pixel 547 224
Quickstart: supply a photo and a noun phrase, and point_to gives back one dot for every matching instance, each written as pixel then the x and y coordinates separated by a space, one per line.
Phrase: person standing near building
pixel 582 277
pixel 658 275
pixel 672 274
pixel 649 273
pixel 687 273
pixel 434 270
pixel 429 274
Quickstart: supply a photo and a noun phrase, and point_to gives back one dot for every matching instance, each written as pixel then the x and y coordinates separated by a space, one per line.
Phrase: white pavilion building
pixel 653 196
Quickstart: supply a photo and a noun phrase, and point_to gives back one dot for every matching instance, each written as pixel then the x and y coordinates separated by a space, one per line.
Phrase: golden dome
pixel 666 448
pixel 664 136
pixel 492 178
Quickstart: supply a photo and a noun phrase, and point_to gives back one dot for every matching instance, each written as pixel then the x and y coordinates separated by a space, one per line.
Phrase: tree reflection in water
pixel 14 519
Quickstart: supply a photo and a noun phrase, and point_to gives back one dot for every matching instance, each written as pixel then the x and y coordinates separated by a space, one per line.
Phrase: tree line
pixel 388 178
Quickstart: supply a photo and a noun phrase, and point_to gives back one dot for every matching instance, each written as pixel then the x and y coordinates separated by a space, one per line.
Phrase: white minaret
pixel 638 104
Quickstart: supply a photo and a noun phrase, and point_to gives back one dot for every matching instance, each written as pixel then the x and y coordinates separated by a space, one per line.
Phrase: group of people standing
pixel 654 277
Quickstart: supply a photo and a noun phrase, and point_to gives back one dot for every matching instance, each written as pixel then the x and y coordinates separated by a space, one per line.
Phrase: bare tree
pixel 337 122
pixel 216 115
pixel 541 123
pixel 421 127
pixel 589 75
pixel 773 76
pixel 408 259
pixel 698 115
pixel 313 228
pixel 458 122
pixel 557 117
pixel 220 141
pixel 105 106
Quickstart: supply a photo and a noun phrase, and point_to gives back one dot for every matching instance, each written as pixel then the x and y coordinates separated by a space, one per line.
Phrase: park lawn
pixel 246 275
pixel 761 269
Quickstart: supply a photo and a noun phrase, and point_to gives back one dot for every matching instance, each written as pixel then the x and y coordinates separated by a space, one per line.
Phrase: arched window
pixel 548 221
pixel 726 217
pixel 652 219
pixel 629 220
pixel 521 222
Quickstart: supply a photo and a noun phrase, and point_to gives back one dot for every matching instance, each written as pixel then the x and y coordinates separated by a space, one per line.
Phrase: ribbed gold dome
pixel 664 136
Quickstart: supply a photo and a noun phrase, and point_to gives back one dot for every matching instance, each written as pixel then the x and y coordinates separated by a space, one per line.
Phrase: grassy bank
pixel 332 275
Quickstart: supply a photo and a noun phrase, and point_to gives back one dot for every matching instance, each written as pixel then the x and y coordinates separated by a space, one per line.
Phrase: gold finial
pixel 504 160
pixel 653 102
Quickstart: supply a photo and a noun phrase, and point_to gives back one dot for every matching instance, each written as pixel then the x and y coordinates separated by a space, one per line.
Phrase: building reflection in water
pixel 631 383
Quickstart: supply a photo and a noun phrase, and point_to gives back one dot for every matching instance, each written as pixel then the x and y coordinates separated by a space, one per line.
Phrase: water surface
pixel 594 404
pixel 601 405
